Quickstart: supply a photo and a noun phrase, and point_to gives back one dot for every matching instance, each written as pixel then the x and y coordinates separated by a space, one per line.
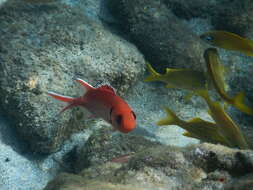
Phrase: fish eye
pixel 134 115
pixel 119 119
pixel 209 38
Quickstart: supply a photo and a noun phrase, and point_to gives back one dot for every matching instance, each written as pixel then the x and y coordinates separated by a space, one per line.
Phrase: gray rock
pixel 242 183
pixel 103 146
pixel 163 38
pixel 233 16
pixel 43 48
pixel 69 182
pixel 203 166
pixel 191 9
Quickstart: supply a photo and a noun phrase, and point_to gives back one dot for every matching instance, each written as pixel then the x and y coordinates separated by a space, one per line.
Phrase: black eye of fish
pixel 119 119
pixel 209 38
pixel 134 115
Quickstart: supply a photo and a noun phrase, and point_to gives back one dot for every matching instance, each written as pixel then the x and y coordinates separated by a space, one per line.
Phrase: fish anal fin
pixel 71 105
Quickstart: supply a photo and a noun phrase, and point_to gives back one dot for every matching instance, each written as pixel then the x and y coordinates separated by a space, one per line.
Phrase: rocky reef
pixel 203 166
pixel 47 44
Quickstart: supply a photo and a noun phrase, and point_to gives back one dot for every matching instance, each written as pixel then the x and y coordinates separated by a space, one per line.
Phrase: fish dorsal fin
pixel 86 85
pixel 107 88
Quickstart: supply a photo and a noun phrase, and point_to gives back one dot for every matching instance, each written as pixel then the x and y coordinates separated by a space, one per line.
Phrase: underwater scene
pixel 126 95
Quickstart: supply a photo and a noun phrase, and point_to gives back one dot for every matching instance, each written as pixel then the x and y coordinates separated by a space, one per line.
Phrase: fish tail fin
pixel 240 105
pixel 60 97
pixel 72 102
pixel 171 118
pixel 153 74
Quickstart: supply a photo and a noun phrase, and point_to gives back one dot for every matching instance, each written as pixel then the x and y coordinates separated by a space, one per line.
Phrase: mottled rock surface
pixel 70 182
pixel 242 183
pixel 43 48
pixel 203 166
pixel 159 34
pixel 233 16
pixel 103 146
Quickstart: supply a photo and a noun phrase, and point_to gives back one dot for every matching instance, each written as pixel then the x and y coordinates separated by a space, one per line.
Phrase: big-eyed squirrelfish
pixel 216 72
pixel 102 102
pixel 229 41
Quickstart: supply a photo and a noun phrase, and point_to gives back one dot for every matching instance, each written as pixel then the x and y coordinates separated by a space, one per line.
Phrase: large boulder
pixel 234 16
pixel 43 47
pixel 161 36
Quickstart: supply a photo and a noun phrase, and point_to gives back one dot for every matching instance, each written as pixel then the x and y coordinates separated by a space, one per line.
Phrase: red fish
pixel 102 102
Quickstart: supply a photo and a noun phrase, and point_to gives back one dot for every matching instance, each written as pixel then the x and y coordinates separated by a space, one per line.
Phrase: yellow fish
pixel 227 127
pixel 196 128
pixel 229 41
pixel 216 72
pixel 178 78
